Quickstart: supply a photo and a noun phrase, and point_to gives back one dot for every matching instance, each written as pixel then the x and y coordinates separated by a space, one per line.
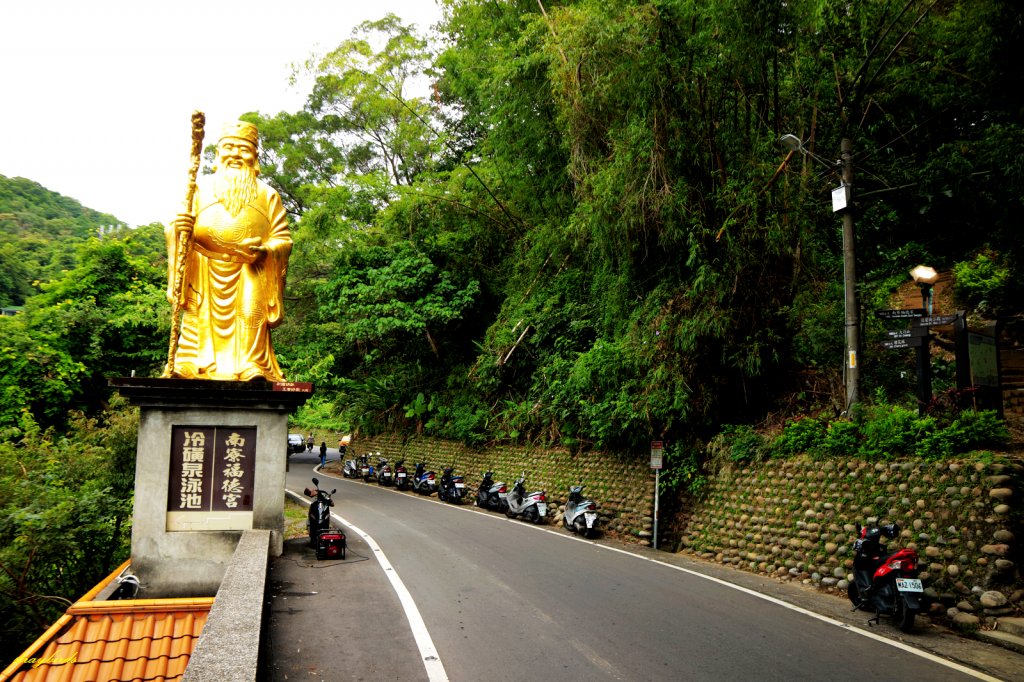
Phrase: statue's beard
pixel 234 187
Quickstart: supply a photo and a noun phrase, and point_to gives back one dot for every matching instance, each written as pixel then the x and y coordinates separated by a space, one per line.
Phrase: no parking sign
pixel 656 452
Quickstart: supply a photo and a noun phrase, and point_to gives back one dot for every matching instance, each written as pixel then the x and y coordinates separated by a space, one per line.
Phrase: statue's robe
pixel 230 305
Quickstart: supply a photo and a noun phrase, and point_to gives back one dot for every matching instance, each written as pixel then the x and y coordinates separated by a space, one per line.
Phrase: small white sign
pixel 840 198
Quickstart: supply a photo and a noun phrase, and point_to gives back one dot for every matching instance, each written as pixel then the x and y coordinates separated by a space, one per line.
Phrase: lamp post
pixel 842 201
pixel 925 277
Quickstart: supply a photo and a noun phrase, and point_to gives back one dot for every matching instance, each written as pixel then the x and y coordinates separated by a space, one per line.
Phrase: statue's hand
pixel 183 224
pixel 252 248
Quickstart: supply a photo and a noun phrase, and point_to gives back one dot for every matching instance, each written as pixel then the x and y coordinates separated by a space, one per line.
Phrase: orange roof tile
pixel 138 639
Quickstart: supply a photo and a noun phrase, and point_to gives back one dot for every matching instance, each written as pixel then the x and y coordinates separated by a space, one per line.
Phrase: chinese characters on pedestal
pixel 212 469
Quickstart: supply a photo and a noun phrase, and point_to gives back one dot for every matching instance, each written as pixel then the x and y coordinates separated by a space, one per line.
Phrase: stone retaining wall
pixel 794 519
pixel 624 491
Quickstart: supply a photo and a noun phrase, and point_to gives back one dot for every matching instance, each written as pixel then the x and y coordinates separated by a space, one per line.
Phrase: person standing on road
pixel 323 453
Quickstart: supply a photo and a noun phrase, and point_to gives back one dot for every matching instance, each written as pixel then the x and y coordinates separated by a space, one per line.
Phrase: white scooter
pixel 531 506
pixel 580 515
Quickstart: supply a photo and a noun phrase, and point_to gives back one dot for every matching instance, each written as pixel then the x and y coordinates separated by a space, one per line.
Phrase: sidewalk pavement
pixel 335 620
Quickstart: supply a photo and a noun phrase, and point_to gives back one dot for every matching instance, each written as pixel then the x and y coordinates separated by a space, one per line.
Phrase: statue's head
pixel 238 146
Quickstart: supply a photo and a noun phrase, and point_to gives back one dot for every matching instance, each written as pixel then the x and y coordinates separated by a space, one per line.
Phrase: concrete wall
pixel 182 563
pixel 229 646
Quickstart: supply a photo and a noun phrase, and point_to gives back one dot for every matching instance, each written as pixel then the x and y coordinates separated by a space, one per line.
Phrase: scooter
pixel 401 475
pixel 885 583
pixel 352 468
pixel 385 475
pixel 329 542
pixel 368 471
pixel 423 481
pixel 531 506
pixel 452 487
pixel 580 515
pixel 491 495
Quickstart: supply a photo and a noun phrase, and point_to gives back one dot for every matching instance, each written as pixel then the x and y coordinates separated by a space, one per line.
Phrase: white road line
pixel 792 607
pixel 825 619
pixel 431 659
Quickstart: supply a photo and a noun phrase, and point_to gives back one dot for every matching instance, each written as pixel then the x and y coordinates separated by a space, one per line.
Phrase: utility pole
pixel 852 317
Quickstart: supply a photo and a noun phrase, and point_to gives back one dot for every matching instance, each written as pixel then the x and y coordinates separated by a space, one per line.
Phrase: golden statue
pixel 227 261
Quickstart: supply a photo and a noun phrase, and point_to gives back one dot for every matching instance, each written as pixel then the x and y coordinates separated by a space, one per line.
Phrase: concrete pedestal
pixel 185 553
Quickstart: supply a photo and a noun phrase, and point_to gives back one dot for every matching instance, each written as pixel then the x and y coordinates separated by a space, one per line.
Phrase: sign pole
pixel 657 491
pixel 656 463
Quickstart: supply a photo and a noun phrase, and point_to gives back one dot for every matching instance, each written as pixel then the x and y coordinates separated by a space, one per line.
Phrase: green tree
pixel 66 513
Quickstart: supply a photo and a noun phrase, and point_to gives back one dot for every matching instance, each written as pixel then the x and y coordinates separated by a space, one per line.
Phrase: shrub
pixel 969 431
pixel 803 434
pixel 890 430
pixel 842 439
pixel 737 444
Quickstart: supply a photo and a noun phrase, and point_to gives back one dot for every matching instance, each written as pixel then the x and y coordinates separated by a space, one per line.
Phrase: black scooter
pixel 452 487
pixel 491 494
pixel 401 475
pixel 329 542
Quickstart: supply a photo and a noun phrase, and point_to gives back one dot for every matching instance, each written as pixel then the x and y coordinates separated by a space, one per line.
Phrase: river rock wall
pixel 623 490
pixel 794 519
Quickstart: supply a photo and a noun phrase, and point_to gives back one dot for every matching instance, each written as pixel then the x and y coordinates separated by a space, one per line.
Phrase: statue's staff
pixel 184 241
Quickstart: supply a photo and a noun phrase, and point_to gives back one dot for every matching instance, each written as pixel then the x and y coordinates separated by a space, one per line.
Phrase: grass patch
pixel 294 519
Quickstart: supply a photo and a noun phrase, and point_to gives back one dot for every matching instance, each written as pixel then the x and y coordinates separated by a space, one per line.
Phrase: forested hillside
pixel 92 308
pixel 39 230
pixel 588 233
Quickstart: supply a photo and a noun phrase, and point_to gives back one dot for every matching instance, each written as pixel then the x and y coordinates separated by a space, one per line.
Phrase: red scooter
pixel 885 583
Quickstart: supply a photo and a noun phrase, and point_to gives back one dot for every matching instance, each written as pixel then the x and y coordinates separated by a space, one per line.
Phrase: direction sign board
pixel 907 333
pixel 900 313
pixel 910 342
pixel 935 320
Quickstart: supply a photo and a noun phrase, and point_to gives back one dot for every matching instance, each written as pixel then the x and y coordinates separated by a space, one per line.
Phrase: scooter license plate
pixel 460 485
pixel 401 475
pixel 591 519
pixel 542 509
pixel 909 585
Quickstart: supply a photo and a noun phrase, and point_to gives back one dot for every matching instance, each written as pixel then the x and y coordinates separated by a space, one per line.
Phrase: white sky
pixel 98 94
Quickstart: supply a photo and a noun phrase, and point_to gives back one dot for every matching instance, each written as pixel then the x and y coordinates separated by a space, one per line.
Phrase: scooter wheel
pixel 853 592
pixel 508 513
pixel 904 615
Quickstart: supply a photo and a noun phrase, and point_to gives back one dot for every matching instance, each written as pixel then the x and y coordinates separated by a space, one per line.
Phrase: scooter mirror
pixel 316 482
pixel 334 491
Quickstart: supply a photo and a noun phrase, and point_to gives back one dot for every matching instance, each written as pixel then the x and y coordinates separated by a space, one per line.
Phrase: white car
pixel 296 443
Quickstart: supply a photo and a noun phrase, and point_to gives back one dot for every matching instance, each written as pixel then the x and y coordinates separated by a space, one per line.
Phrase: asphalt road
pixel 506 599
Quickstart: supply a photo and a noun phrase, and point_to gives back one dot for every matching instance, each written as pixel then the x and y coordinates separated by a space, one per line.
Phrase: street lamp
pixel 925 277
pixel 842 201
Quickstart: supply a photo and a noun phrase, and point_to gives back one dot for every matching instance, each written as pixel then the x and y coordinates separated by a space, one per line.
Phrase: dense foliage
pixel 599 239
pixel 65 518
pixel 92 307
pixel 38 232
